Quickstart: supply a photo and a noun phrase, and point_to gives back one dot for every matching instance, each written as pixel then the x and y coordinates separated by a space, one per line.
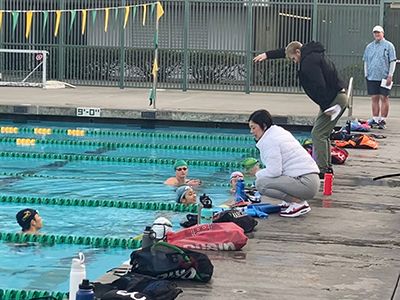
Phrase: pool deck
pixel 347 247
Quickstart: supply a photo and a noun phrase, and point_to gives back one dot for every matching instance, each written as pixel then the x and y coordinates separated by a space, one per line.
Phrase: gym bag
pixel 214 236
pixel 163 260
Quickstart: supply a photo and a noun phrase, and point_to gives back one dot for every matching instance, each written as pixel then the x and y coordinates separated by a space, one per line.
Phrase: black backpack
pixel 239 218
pixel 163 260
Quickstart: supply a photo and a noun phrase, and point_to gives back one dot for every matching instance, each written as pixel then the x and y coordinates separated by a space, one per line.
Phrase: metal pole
pixel 44 79
pixel 155 60
pixel 249 58
pixel 315 20
pixel 122 50
pixel 185 45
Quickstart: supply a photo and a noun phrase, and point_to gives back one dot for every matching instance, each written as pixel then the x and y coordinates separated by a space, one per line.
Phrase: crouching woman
pixel 290 173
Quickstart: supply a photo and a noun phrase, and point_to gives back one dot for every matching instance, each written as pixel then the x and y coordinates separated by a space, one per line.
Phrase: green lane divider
pixel 101 203
pixel 48 239
pixel 119 159
pixel 133 145
pixel 99 179
pixel 146 134
pixel 30 294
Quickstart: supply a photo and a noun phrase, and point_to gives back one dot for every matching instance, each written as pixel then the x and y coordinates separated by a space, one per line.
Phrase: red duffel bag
pixel 214 236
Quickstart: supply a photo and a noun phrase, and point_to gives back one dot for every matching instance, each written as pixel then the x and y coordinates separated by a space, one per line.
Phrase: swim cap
pixel 180 163
pixel 181 192
pixel 236 174
pixel 25 216
pixel 248 163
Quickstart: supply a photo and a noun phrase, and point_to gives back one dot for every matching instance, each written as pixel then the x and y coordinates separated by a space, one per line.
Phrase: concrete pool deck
pixel 347 247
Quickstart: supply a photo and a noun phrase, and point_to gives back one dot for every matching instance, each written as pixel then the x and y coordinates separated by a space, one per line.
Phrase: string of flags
pixel 129 10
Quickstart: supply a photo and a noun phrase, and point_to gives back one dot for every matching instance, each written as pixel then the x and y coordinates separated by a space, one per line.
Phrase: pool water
pixel 47 268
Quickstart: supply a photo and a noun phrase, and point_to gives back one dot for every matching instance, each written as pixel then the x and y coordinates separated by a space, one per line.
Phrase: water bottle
pixel 257 197
pixel 328 183
pixel 240 196
pixel 148 237
pixel 86 291
pixel 206 213
pixel 348 126
pixel 77 274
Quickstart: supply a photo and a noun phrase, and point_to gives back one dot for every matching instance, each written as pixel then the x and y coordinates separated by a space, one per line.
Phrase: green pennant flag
pixel 116 17
pixel 133 12
pixel 73 14
pixel 152 9
pixel 151 97
pixel 94 14
pixel 155 39
pixel 45 17
pixel 15 16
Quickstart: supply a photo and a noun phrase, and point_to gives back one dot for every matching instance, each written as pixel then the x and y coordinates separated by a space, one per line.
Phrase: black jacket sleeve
pixel 275 54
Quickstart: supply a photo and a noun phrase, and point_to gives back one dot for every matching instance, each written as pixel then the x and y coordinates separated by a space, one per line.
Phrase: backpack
pixel 163 260
pixel 239 218
pixel 359 141
pixel 338 155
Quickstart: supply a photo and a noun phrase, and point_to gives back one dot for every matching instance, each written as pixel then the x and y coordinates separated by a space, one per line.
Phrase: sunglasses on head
pixel 181 169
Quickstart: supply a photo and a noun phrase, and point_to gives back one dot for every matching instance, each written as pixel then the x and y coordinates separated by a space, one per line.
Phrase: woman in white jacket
pixel 290 173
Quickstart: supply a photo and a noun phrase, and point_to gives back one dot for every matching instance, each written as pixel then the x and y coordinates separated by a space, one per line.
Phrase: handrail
pixel 350 97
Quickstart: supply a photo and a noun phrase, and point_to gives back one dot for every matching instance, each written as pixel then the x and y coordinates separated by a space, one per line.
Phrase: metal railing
pixel 203 45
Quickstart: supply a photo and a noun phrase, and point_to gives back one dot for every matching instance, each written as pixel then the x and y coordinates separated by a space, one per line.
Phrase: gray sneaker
pixel 382 124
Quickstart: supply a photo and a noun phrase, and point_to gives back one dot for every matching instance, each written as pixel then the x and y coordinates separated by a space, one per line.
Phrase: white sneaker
pixel 296 209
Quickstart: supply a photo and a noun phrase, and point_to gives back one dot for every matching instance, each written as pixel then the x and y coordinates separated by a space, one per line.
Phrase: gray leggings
pixel 285 188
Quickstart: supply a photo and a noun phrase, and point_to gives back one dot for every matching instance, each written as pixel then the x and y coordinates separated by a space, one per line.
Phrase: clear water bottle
pixel 206 213
pixel 86 291
pixel 240 196
pixel 77 274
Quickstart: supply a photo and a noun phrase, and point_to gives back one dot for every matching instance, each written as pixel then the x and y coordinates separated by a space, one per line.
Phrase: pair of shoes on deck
pixel 380 125
pixel 294 209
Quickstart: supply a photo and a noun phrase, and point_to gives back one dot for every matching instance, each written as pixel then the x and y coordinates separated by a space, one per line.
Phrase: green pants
pixel 321 132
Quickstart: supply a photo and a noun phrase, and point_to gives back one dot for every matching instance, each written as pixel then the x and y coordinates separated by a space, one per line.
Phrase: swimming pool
pixel 107 163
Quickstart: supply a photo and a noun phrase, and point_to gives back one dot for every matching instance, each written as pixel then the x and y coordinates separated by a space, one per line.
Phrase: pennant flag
pixel 73 14
pixel 151 98
pixel 144 14
pixel 126 15
pixel 160 11
pixel 106 20
pixel 134 12
pixel 152 9
pixel 15 15
pixel 58 13
pixel 94 14
pixel 45 17
pixel 155 68
pixel 29 16
pixel 83 20
pixel 1 18
pixel 116 17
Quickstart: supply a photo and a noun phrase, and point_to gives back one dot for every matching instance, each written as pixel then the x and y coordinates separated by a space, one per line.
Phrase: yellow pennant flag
pixel 160 11
pixel 29 16
pixel 126 15
pixel 1 18
pixel 144 13
pixel 106 21
pixel 83 20
pixel 155 68
pixel 58 14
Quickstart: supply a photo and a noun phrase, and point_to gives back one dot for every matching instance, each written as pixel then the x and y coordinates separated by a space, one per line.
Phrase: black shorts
pixel 374 88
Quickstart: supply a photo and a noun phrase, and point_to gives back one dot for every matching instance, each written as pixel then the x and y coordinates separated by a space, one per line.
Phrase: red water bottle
pixel 328 183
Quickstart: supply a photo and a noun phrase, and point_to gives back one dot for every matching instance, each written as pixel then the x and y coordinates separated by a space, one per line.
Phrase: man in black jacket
pixel 319 78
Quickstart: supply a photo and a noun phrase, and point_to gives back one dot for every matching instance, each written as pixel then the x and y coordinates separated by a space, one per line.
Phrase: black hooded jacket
pixel 318 75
